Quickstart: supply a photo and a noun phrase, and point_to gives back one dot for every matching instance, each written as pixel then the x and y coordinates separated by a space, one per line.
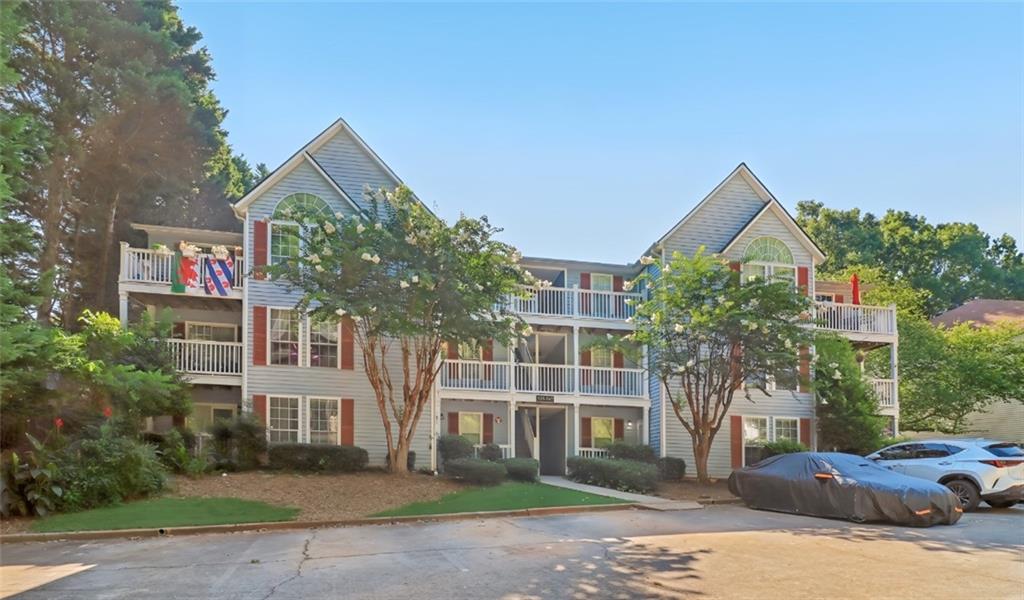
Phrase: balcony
pixel 153 271
pixel 208 362
pixel 574 303
pixel 886 391
pixel 542 379
pixel 856 320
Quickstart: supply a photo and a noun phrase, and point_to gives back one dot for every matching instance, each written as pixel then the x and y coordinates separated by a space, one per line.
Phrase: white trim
pixel 771 430
pixel 309 345
pixel 270 320
pixel 298 409
pixel 479 415
pixel 334 186
pixel 309 413
pixel 786 220
pixel 211 324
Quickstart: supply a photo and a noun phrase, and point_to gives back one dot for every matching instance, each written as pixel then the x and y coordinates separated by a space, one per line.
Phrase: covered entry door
pixel 541 434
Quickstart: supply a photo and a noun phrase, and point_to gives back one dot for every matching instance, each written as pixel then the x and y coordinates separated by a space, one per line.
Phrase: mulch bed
pixel 318 496
pixel 691 489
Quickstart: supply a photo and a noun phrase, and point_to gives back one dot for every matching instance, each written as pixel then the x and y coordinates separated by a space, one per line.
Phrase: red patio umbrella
pixel 855 285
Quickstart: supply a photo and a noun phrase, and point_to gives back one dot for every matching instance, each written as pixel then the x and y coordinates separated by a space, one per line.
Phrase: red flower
pixel 59 422
pixel 107 411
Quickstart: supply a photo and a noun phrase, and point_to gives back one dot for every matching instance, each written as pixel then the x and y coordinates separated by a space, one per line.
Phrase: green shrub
pixel 782 447
pixel 522 469
pixel 490 452
pixel 671 468
pixel 176 455
pixel 107 470
pixel 637 452
pixel 453 447
pixel 476 470
pixel 624 475
pixel 238 443
pixel 29 486
pixel 317 457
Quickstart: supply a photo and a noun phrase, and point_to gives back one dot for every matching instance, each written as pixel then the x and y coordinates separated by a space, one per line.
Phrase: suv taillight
pixel 1002 464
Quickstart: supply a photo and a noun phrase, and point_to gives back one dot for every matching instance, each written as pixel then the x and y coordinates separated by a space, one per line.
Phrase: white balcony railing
pixel 885 389
pixel 506 450
pixel 593 452
pixel 856 318
pixel 574 302
pixel 541 379
pixel 150 266
pixel 201 357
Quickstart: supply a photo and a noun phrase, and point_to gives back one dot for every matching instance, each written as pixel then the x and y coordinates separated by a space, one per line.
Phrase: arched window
pixel 769 258
pixel 284 235
pixel 302 203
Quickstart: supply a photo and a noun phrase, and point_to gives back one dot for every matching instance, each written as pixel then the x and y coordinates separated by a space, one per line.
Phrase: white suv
pixel 974 470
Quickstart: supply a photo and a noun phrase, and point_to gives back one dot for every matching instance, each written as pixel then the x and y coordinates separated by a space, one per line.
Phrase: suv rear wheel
pixel 966 492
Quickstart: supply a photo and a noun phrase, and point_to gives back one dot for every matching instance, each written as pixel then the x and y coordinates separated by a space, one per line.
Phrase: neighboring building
pixel 246 349
pixel 1002 420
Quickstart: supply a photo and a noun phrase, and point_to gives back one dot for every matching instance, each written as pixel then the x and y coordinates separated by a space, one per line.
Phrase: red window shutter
pixel 805 370
pixel 735 266
pixel 838 298
pixel 260 250
pixel 259 407
pixel 802 280
pixel 620 301
pixel 453 423
pixel 620 429
pixel 488 356
pixel 618 362
pixel 348 422
pixel 488 428
pixel 584 306
pixel 805 432
pixel 259 335
pixel 736 439
pixel 453 350
pixel 584 281
pixel 348 347
pixel 585 440
pixel 585 362
pixel 178 332
pixel 617 283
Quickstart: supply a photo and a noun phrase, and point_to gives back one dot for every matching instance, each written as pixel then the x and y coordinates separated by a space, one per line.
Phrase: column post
pixel 576 428
pixel 122 308
pixel 646 421
pixel 576 360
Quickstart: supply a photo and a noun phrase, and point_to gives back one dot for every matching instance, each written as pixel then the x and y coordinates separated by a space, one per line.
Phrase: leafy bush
pixel 476 470
pixel 671 468
pixel 522 469
pixel 490 452
pixel 238 443
pixel 783 447
pixel 29 487
pixel 313 457
pixel 453 447
pixel 107 470
pixel 176 455
pixel 624 475
pixel 637 452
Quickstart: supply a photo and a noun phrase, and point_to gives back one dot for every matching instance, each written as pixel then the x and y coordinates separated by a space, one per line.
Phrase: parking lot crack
pixel 298 568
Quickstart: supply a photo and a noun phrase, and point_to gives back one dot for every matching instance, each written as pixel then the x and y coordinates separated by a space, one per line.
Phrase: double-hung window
pixel 284 337
pixel 471 426
pixel 283 419
pixel 787 428
pixel 284 242
pixel 602 431
pixel 211 332
pixel 324 420
pixel 759 431
pixel 323 344
pixel 285 238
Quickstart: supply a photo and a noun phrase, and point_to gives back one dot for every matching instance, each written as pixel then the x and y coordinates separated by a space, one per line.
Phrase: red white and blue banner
pixel 220 272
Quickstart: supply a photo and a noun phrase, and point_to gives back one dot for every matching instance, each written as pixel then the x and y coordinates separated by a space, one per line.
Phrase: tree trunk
pixel 398 458
pixel 700 457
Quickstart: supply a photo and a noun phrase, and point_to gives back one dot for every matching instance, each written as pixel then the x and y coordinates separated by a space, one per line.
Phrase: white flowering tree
pixel 410 283
pixel 711 336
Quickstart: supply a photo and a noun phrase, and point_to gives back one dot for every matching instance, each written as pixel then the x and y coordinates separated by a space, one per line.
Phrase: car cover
pixel 843 486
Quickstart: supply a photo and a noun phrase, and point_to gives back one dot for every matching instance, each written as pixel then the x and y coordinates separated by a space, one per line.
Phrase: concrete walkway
pixel 651 502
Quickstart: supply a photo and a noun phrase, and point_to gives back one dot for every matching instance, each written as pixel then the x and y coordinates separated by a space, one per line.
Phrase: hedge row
pixel 624 475
pixel 313 457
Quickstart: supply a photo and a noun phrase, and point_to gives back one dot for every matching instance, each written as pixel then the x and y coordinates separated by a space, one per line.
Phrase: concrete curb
pixel 106 534
pixel 714 501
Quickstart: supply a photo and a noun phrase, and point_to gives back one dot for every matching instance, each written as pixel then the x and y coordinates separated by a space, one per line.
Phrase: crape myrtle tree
pixel 708 334
pixel 408 283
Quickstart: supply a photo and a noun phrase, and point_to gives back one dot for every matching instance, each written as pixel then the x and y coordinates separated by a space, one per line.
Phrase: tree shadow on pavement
pixel 624 569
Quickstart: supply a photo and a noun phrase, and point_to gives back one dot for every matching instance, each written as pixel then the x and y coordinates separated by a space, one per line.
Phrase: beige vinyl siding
pixel 718 220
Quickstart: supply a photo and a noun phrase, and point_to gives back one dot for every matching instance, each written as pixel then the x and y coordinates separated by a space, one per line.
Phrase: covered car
pixel 843 486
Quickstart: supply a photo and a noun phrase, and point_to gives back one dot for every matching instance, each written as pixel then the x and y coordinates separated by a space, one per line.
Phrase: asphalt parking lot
pixel 717 552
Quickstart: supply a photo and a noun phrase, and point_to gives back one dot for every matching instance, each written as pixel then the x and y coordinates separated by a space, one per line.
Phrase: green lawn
pixel 167 512
pixel 507 496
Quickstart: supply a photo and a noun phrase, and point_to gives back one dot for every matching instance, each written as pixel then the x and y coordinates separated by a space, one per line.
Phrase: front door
pixel 541 435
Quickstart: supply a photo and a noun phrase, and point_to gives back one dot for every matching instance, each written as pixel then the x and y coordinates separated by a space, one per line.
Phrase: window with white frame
pixel 601 357
pixel 284 337
pixel 324 420
pixel 601 282
pixel 470 351
pixel 759 431
pixel 284 232
pixel 323 344
pixel 283 419
pixel 284 242
pixel 211 332
pixel 770 259
pixel 787 428
pixel 602 431
pixel 471 426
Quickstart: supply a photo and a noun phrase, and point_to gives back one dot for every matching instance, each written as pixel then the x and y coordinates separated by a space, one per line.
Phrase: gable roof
pixel 771 203
pixel 304 154
pixel 783 215
pixel 984 311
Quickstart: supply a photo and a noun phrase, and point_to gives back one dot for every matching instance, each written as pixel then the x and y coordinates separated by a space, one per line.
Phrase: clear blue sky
pixel 586 131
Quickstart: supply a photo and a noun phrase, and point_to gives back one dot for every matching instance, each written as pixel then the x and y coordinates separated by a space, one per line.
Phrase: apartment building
pixel 546 396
